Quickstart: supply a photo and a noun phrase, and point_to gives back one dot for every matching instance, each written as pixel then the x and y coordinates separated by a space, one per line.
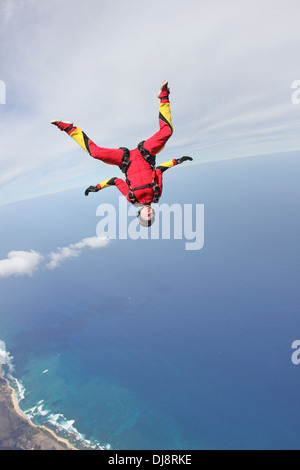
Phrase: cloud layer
pixel 20 263
pixel 25 263
pixel 74 250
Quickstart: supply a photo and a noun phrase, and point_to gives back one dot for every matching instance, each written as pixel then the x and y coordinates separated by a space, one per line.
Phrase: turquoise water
pixel 144 345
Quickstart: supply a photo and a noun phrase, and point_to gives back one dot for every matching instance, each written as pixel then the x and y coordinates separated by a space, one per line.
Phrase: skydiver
pixel 143 185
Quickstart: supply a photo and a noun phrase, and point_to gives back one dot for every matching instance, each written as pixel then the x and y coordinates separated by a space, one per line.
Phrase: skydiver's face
pixel 146 212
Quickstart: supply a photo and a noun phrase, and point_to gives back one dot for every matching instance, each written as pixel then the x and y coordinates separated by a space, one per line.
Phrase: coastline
pixel 33 436
pixel 42 428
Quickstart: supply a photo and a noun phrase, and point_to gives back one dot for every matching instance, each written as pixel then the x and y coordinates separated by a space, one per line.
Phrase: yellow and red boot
pixel 66 126
pixel 163 92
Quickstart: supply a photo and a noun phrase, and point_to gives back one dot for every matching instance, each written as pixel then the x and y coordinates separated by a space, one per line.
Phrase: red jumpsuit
pixel 139 172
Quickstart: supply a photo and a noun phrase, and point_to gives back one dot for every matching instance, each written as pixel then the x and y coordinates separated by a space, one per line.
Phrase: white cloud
pixel 20 263
pixel 74 250
pixel 92 242
pixel 25 263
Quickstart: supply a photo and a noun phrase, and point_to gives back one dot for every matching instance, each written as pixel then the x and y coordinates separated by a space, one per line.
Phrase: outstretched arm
pixel 121 185
pixel 165 166
pixel 175 161
pixel 104 184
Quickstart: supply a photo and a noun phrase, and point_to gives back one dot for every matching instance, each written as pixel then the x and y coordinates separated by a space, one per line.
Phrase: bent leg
pixel 157 142
pixel 109 156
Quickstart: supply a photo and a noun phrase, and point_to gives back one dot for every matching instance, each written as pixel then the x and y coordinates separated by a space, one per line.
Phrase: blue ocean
pixel 143 344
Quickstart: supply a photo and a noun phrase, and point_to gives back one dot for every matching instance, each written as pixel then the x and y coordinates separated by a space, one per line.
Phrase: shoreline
pixel 43 429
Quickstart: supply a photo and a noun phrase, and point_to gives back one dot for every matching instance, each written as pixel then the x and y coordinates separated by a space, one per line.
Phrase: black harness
pixel 124 168
pixel 146 155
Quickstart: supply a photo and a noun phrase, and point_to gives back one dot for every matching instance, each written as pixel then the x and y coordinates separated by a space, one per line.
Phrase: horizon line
pixel 208 161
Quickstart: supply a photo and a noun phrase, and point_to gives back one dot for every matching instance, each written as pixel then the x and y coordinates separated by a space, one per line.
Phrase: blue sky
pixel 231 66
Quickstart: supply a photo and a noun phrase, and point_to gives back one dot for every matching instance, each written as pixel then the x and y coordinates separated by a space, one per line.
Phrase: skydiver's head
pixel 146 215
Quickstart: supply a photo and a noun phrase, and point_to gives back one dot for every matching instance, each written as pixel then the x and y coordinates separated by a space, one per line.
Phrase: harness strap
pixel 156 191
pixel 125 160
pixel 124 168
pixel 131 192
pixel 149 185
pixel 151 159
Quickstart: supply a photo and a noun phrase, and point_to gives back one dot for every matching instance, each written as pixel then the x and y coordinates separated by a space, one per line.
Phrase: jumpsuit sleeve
pixel 106 183
pixel 166 165
pixel 121 185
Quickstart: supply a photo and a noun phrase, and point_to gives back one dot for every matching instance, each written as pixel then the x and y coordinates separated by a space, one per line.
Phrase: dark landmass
pixel 16 431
